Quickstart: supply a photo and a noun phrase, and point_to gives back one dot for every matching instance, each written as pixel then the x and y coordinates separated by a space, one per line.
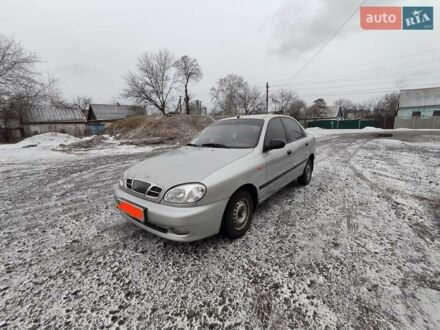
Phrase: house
pixel 418 108
pixel 101 116
pixel 38 120
pixel 331 112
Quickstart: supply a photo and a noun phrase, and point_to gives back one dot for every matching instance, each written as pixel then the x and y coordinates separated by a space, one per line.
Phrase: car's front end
pixel 167 196
pixel 178 222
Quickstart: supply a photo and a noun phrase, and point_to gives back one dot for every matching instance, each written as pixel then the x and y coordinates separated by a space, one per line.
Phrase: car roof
pixel 265 116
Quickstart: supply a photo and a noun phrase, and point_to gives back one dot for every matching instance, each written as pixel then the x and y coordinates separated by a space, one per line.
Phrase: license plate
pixel 132 210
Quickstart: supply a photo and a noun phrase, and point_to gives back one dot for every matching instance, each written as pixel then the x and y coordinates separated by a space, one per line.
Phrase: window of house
pixel 416 113
pixel 436 113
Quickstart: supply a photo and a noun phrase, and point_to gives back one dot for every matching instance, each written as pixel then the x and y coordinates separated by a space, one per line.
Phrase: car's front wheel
pixel 238 214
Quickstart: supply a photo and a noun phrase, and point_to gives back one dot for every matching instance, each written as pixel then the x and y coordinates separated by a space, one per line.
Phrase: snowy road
pixel 359 247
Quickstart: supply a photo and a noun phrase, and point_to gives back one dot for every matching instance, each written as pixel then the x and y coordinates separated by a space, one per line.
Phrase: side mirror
pixel 275 144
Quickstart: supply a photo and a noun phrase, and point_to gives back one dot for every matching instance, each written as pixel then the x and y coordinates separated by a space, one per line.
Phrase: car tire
pixel 238 214
pixel 305 178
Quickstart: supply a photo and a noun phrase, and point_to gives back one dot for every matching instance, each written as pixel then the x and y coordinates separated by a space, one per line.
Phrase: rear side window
pixel 275 130
pixel 293 129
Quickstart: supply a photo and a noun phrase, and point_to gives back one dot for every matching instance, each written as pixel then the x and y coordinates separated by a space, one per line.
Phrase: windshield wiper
pixel 214 145
pixel 192 145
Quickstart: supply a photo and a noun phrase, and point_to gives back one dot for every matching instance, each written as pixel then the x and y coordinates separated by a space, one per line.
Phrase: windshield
pixel 231 133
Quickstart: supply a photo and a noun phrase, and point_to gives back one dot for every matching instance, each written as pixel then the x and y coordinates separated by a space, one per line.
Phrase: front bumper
pixel 183 224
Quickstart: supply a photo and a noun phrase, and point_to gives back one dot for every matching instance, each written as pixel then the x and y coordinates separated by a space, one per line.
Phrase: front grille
pixel 140 186
pixel 144 188
pixel 154 191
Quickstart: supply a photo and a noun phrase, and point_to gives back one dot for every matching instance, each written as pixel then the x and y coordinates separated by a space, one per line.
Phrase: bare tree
pixel 81 102
pixel 249 99
pixel 385 110
pixel 296 108
pixel 346 106
pixel 17 69
pixel 317 109
pixel 388 104
pixel 189 70
pixel 288 102
pixel 153 81
pixel 22 86
pixel 282 100
pixel 226 94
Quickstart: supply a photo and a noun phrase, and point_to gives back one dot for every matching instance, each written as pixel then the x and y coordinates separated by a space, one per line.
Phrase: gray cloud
pixel 77 68
pixel 300 26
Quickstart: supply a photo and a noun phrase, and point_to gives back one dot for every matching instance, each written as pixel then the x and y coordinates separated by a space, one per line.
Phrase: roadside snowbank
pixel 60 147
pixel 50 140
pixel 318 132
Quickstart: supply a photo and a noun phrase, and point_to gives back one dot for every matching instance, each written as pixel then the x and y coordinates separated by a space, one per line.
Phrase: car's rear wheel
pixel 238 214
pixel 305 178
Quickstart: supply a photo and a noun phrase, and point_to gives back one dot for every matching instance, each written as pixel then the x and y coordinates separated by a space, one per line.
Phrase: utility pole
pixel 180 103
pixel 267 97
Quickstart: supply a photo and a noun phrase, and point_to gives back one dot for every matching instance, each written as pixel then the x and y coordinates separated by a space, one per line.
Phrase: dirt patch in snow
pixel 178 129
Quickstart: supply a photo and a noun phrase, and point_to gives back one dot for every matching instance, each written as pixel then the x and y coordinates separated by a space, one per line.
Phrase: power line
pixel 385 59
pixel 397 68
pixel 327 41
pixel 375 78
pixel 360 87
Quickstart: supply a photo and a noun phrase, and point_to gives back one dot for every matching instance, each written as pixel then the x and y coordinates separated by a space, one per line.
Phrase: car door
pixel 276 159
pixel 296 147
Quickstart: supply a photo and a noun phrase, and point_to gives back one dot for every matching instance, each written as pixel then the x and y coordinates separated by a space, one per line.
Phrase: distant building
pixel 419 108
pixel 53 119
pixel 332 112
pixel 196 108
pixel 101 116
pixel 43 119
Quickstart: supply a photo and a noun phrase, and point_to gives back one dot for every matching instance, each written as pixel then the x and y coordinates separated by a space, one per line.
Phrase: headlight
pixel 185 193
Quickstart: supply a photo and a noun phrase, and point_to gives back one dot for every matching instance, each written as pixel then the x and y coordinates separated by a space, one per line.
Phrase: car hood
pixel 183 165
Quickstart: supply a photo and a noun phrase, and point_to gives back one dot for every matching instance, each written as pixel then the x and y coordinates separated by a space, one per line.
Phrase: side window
pixel 293 130
pixel 275 130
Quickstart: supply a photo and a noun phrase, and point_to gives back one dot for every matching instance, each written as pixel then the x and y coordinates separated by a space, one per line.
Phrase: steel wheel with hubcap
pixel 305 178
pixel 238 214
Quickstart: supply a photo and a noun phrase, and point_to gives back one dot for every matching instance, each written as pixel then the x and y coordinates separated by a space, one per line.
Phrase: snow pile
pixel 50 140
pixel 59 147
pixel 370 128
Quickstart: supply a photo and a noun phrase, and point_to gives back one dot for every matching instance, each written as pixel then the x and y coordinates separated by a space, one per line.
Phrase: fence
pixel 340 124
pixel 417 122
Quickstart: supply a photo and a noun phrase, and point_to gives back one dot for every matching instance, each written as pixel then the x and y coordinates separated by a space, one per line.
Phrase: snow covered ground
pixel 357 248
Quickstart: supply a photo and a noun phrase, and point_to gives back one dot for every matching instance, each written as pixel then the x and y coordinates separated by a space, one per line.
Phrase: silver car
pixel 215 183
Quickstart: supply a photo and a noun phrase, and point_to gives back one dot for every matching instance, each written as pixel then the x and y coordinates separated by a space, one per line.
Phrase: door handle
pixel 289 152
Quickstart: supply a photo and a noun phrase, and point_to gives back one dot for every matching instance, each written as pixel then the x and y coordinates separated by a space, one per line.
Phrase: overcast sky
pixel 88 45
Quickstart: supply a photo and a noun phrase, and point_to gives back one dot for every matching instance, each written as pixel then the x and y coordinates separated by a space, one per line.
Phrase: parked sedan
pixel 215 183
